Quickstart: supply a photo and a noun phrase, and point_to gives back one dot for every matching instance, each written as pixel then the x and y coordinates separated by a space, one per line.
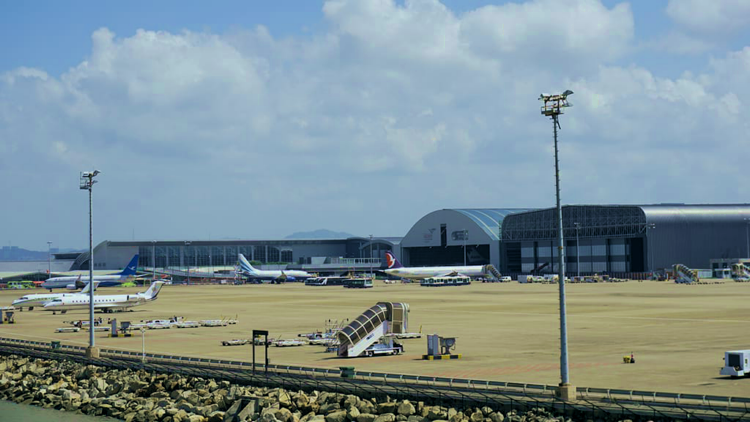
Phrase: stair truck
pixel 373 332
pixel 740 272
pixel 684 275
pixel 736 363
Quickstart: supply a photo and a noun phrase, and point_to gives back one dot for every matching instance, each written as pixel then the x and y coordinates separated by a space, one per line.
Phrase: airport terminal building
pixel 615 239
pixel 315 255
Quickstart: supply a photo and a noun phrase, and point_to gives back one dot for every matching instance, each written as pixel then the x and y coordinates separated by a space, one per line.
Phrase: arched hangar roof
pixel 484 225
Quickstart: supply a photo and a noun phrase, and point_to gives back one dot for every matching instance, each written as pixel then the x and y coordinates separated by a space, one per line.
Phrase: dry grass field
pixel 505 332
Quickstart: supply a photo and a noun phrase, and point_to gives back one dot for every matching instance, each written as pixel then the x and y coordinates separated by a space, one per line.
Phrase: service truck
pixel 736 363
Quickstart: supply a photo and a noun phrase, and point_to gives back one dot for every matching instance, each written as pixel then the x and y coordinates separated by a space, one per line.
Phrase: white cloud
pixel 391 107
pixel 710 17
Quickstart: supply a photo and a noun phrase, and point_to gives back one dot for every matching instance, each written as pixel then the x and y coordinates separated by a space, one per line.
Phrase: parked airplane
pixel 417 273
pixel 30 301
pixel 107 303
pixel 75 281
pixel 270 276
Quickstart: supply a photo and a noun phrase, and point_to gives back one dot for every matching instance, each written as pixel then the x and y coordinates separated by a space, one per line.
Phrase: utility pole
pixel 49 258
pixel 553 108
pixel 466 235
pixel 371 257
pixel 187 243
pixel 578 253
pixel 87 183
pixel 153 260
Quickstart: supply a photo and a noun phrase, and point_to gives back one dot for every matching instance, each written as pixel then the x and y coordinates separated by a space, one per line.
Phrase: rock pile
pixel 142 396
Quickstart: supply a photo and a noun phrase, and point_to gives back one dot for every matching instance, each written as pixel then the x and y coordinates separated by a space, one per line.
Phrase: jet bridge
pixel 383 319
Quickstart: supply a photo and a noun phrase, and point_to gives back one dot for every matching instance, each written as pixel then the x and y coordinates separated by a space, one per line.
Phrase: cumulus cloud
pixel 710 17
pixel 391 111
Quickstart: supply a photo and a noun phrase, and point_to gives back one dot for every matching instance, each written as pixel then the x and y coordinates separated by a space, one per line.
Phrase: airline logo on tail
pixel 154 290
pixel 392 261
pixel 245 266
pixel 132 266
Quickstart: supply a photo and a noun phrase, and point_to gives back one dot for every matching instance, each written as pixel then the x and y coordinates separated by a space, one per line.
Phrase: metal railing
pixel 443 390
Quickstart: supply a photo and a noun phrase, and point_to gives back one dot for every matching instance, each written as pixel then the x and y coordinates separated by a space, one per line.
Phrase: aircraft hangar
pixel 441 237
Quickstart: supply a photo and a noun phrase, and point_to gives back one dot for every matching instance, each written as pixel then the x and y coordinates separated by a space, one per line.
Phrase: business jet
pixel 106 303
pixel 76 281
pixel 30 301
pixel 418 273
pixel 270 276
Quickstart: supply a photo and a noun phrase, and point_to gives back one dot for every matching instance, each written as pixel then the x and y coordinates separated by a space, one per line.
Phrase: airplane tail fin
pixel 154 290
pixel 132 266
pixel 392 261
pixel 245 265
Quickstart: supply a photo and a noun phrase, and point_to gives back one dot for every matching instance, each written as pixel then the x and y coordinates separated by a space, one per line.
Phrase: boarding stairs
pixel 741 272
pixel 383 319
pixel 490 269
pixel 684 275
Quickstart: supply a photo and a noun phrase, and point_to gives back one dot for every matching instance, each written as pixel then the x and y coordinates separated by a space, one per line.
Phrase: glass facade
pixel 217 255
pixel 231 255
pixel 174 256
pixel 273 254
pixel 596 256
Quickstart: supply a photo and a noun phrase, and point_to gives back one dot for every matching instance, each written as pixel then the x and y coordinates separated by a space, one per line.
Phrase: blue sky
pixel 258 119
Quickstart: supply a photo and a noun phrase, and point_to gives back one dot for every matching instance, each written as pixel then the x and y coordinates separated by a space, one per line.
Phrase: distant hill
pixel 319 234
pixel 14 253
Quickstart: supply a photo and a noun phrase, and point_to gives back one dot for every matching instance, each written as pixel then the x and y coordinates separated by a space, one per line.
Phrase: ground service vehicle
pixel 736 363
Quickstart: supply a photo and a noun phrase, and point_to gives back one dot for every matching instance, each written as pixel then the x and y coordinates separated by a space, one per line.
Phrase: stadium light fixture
pixel 552 107
pixel 86 182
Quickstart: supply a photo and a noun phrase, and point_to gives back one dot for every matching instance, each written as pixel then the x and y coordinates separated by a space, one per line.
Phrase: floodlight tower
pixel 553 107
pixel 87 183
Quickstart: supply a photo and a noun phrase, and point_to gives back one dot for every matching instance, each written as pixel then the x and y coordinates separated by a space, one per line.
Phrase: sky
pixel 254 120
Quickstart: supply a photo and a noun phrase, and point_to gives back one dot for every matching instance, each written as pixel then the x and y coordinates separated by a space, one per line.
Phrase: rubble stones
pixel 137 395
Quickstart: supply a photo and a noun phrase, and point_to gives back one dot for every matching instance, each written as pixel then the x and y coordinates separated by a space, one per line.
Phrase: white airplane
pixel 107 303
pixel 270 276
pixel 418 273
pixel 30 301
pixel 73 282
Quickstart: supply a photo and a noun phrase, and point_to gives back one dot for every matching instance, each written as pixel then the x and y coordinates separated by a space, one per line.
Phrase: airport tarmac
pixel 506 332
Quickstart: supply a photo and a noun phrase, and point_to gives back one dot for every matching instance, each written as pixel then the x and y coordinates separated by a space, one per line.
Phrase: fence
pixel 630 404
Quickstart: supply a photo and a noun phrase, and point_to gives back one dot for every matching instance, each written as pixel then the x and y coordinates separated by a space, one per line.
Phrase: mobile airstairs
pixel 741 272
pixel 490 269
pixel 378 323
pixel 684 275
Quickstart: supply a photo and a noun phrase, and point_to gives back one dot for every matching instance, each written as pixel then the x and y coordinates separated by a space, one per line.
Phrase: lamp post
pixel 153 260
pixel 466 235
pixel 143 345
pixel 578 253
pixel 87 183
pixel 49 258
pixel 553 108
pixel 371 257
pixel 649 227
pixel 187 243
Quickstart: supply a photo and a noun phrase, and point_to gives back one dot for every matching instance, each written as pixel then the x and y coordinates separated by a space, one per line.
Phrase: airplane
pixel 74 282
pixel 106 303
pixel 270 276
pixel 417 273
pixel 30 301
